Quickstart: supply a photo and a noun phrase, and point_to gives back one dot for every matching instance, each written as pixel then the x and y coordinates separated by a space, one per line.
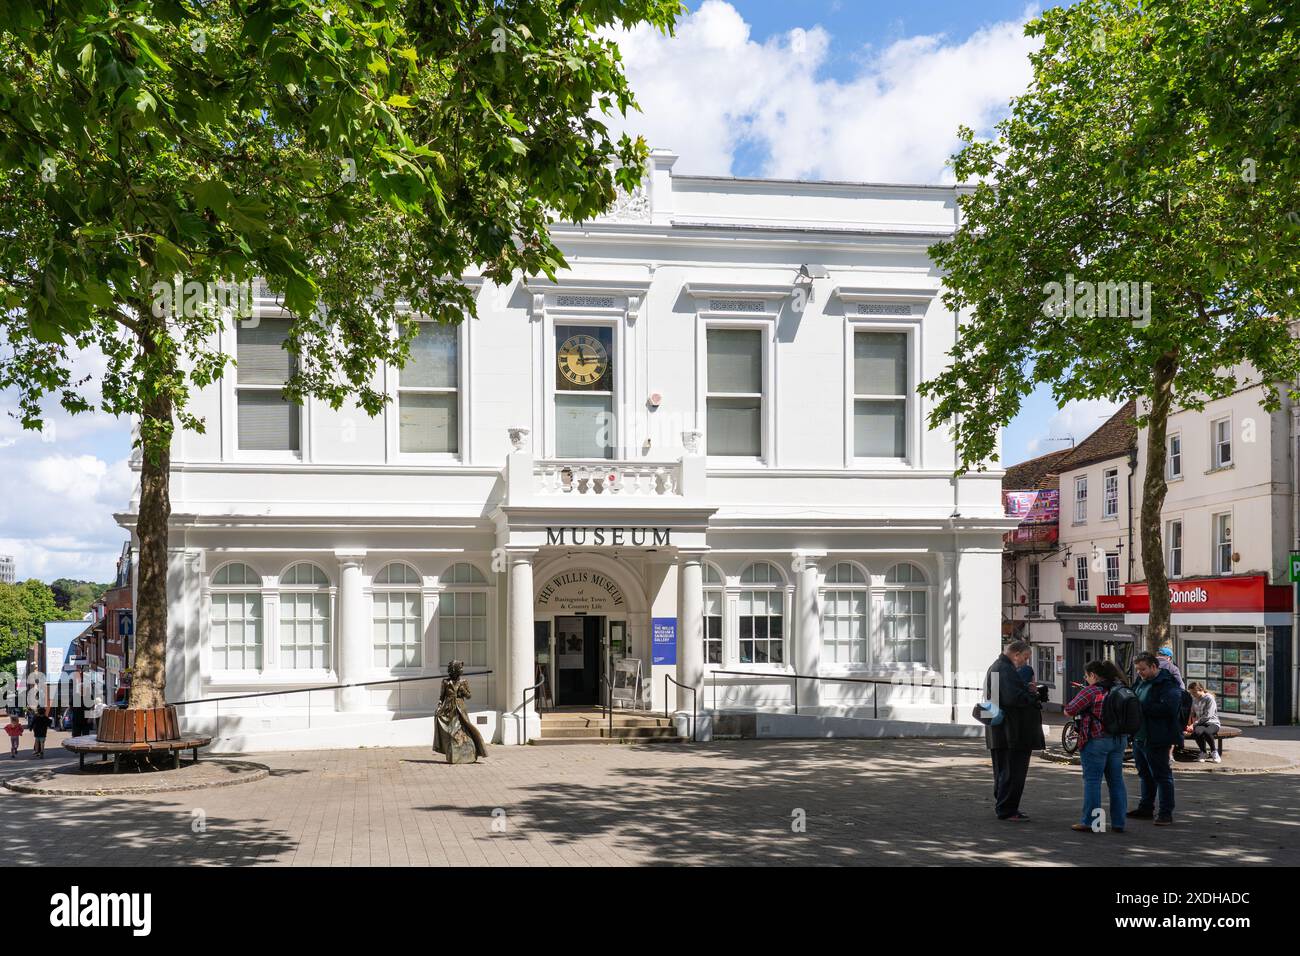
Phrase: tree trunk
pixel 1154 486
pixel 148 680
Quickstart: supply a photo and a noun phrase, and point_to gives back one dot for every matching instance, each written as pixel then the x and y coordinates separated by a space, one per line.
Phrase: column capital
pixel 348 557
pixel 808 555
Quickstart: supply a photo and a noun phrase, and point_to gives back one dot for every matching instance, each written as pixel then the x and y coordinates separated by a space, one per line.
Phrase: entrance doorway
pixel 578 643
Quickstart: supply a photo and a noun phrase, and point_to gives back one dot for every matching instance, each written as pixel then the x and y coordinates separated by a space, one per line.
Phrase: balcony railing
pixel 613 478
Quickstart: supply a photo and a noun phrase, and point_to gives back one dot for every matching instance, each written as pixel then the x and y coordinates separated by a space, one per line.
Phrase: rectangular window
pixel 304 630
pixel 1174 535
pixel 1034 578
pixel 1081 499
pixel 1112 574
pixel 713 627
pixel 462 627
pixel 734 393
pixel 266 420
pixel 1223 543
pixel 1174 457
pixel 1110 493
pixel 1081 578
pixel 1045 664
pixel 762 639
pixel 397 623
pixel 585 425
pixel 428 398
pixel 880 394
pixel 906 633
pixel 1221 435
pixel 844 627
pixel 236 631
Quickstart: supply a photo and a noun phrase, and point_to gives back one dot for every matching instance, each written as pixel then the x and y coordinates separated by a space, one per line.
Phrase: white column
pixel 690 628
pixel 808 637
pixel 353 634
pixel 519 649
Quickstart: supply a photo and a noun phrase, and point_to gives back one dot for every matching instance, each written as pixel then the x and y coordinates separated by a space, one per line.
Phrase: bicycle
pixel 1070 732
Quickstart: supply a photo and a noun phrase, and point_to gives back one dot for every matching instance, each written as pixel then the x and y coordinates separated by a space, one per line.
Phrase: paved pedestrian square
pixel 920 802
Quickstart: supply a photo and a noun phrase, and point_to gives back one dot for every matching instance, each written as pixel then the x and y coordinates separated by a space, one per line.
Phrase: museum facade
pixel 699 450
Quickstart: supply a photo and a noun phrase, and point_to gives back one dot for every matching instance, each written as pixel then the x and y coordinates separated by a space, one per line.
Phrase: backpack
pixel 1185 709
pixel 1121 711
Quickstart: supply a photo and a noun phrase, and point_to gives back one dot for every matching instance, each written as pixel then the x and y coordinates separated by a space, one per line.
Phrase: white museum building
pixel 700 450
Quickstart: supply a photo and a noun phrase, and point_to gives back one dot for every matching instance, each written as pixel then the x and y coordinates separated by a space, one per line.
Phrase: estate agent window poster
pixel 1196 670
pixel 1247 655
pixel 1215 687
pixel 1214 670
pixel 1196 653
pixel 1229 671
pixel 1230 655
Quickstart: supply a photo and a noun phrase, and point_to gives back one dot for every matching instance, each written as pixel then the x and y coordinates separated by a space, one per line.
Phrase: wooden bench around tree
pixel 137 731
pixel 1222 734
pixel 90 744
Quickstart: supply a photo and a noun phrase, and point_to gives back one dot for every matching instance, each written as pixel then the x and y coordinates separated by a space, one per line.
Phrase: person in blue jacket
pixel 1161 699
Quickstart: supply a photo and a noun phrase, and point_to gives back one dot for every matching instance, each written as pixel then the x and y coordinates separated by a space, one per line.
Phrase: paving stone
pixel 735 802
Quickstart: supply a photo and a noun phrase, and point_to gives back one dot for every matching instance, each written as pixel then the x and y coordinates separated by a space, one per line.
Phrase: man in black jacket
pixel 1016 730
pixel 1161 729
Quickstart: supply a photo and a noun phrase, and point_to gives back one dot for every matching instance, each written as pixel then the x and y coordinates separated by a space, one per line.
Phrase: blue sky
pixel 821 89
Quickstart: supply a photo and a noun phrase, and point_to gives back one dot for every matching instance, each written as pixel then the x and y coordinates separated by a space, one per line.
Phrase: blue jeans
pixel 1104 757
pixel 1157 776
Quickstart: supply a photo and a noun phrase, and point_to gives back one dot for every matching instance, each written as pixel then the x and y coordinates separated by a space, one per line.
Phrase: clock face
pixel 583 359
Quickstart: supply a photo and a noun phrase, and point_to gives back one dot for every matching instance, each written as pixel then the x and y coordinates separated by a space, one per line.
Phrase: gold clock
pixel 583 359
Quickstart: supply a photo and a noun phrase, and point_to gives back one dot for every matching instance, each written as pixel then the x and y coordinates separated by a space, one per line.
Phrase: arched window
pixel 235 619
pixel 762 615
pixel 905 615
pixel 462 616
pixel 712 615
pixel 304 618
pixel 844 615
pixel 397 616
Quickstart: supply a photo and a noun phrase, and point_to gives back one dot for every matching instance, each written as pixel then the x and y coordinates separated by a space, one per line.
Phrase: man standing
pixel 1161 698
pixel 1017 730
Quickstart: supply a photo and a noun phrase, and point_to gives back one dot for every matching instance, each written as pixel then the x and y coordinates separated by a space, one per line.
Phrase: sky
pixel 870 90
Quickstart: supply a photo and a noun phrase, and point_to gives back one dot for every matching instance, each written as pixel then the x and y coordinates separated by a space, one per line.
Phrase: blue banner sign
pixel 663 640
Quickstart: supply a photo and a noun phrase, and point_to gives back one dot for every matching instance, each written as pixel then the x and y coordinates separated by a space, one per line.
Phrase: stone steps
pixel 593 727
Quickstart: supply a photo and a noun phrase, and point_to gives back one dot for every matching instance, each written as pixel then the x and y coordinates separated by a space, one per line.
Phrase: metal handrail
pixel 795 678
pixel 309 690
pixel 694 702
pixel 523 708
pixel 609 701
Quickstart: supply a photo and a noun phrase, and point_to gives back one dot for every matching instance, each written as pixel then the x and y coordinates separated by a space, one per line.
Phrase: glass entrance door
pixel 578 659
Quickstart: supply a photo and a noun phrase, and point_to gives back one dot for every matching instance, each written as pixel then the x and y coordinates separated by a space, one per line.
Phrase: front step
pixel 565 741
pixel 637 732
pixel 593 727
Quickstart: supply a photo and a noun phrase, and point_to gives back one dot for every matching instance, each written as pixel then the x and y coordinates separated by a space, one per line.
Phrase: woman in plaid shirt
pixel 1101 754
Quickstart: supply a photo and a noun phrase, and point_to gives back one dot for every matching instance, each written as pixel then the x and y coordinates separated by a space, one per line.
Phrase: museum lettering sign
pixel 615 537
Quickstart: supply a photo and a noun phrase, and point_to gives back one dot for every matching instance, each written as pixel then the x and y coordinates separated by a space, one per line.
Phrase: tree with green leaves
pixel 1128 234
pixel 357 155
pixel 24 608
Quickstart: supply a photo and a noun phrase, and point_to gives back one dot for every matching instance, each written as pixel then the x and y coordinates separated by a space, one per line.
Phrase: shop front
pixel 1094 636
pixel 1233 635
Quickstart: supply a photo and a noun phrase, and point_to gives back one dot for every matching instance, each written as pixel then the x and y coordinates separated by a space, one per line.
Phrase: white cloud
pixel 1074 419
pixel 712 89
pixel 56 515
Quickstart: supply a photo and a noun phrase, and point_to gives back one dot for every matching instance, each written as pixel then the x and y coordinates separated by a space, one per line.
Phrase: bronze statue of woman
pixel 453 733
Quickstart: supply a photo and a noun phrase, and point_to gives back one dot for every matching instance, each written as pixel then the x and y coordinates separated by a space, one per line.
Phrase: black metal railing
pixel 317 688
pixel 795 678
pixel 535 690
pixel 694 701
